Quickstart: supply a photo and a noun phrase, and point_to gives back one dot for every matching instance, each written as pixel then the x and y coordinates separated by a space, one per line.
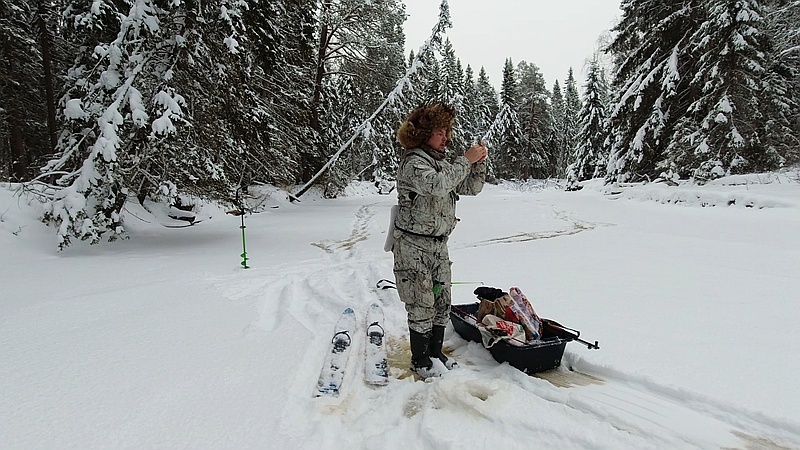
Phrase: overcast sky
pixel 553 34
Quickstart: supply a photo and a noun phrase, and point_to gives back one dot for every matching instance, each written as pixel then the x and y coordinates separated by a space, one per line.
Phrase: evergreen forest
pixel 109 101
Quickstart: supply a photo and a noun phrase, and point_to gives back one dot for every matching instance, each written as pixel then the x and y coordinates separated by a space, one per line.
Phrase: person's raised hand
pixel 485 151
pixel 476 153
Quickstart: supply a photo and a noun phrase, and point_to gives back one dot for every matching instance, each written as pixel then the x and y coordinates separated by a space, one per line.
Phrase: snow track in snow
pixel 605 405
pixel 359 233
pixel 163 341
pixel 615 406
pixel 574 226
pixel 668 417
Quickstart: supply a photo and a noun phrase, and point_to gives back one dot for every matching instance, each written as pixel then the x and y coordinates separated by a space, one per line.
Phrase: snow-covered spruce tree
pixel 653 70
pixel 730 127
pixel 487 100
pixel 452 75
pixel 281 37
pixel 241 129
pixel 572 126
pixel 556 144
pixel 508 87
pixel 24 117
pixel 415 94
pixel 103 101
pixel 782 25
pixel 124 107
pixel 511 156
pixel 440 79
pixel 430 86
pixel 469 117
pixel 505 156
pixel 533 110
pixel 589 160
pixel 453 94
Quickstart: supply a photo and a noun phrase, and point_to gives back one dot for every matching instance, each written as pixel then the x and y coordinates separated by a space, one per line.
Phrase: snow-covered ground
pixel 164 341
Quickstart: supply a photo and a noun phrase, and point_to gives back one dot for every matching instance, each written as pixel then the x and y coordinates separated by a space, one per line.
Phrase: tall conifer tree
pixel 533 109
pixel 487 102
pixel 590 155
pixel 723 130
pixel 469 119
pixel 556 146
pixel 651 78
pixel 27 105
pixel 142 74
pixel 572 126
pixel 511 158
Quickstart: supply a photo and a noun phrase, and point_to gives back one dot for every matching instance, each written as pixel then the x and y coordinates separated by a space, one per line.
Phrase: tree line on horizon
pixel 106 101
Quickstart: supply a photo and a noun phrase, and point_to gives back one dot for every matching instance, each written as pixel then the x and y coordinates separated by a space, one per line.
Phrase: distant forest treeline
pixel 110 100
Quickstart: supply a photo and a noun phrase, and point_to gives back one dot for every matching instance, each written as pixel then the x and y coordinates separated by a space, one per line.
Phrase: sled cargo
pixel 538 356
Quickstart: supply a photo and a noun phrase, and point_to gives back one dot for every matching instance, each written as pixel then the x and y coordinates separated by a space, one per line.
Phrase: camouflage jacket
pixel 427 191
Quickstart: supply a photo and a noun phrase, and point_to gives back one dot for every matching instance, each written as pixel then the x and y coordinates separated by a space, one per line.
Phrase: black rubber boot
pixel 421 363
pixel 420 354
pixel 435 348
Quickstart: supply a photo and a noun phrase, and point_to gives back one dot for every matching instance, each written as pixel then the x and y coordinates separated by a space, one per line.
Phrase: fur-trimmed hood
pixel 419 125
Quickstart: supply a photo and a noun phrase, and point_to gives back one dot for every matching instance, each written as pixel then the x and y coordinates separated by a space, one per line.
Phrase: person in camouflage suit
pixel 428 187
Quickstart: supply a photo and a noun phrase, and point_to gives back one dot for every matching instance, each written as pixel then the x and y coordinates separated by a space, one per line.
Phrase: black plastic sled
pixel 539 356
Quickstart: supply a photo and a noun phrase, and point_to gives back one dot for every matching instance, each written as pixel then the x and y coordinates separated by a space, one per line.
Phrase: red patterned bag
pixel 526 315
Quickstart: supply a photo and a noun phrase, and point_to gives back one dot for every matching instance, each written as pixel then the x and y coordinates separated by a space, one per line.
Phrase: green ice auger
pixel 244 246
pixel 241 213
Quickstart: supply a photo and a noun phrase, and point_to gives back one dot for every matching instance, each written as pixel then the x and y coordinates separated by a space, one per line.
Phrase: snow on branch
pixel 499 120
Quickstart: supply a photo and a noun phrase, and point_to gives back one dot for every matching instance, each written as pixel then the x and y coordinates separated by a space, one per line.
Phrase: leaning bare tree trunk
pixel 316 99
pixel 19 157
pixel 45 42
pixel 318 77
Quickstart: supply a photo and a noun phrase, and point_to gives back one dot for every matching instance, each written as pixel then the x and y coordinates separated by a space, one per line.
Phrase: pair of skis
pixel 376 371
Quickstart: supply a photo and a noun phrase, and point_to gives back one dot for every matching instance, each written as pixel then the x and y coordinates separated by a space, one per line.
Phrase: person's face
pixel 438 139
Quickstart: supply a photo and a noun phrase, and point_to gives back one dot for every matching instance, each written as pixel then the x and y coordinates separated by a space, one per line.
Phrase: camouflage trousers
pixel 423 276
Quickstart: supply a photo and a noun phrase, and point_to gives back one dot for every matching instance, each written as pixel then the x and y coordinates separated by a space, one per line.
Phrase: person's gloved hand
pixel 489 293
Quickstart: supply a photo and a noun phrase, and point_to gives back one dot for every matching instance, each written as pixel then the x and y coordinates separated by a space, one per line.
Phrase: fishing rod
pixel 389 284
